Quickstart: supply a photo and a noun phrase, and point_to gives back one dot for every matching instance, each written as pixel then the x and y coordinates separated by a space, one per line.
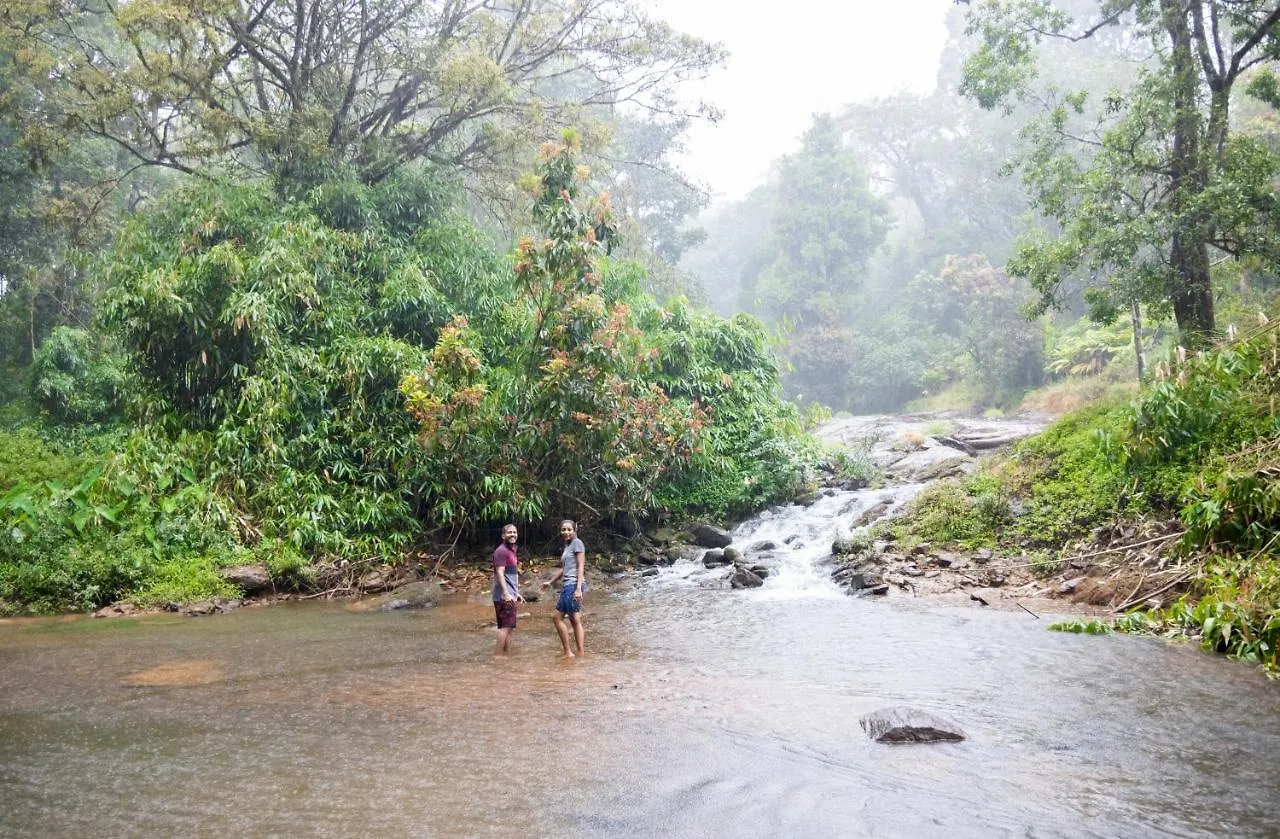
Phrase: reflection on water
pixel 696 713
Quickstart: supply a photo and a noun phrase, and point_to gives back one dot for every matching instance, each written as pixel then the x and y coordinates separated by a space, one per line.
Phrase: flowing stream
pixel 699 711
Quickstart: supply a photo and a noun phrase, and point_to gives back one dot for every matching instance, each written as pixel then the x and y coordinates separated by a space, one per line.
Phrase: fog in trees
pixel 1053 209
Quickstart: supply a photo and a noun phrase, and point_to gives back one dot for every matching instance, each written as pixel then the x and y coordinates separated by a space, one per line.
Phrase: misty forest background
pixel 324 285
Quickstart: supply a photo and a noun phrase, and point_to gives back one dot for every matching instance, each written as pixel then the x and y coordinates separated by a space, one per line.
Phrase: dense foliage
pixel 332 379
pixel 1202 444
pixel 1153 184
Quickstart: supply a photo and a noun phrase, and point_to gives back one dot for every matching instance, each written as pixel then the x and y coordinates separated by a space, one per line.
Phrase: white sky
pixel 791 59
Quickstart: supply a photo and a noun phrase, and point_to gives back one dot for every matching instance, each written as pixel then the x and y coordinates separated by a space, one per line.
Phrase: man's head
pixel 510 534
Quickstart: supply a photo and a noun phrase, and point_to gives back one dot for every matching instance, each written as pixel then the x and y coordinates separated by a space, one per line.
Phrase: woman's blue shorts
pixel 566 605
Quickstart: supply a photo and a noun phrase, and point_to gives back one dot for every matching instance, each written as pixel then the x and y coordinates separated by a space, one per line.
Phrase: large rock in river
pixel 709 536
pixel 909 725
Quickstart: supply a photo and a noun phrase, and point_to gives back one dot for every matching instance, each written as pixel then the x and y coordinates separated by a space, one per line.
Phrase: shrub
pixel 78 378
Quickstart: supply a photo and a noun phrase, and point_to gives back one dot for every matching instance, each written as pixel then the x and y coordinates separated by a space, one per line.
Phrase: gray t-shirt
pixel 570 561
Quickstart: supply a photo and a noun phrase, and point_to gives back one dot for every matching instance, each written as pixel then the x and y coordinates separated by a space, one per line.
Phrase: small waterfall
pixel 794 542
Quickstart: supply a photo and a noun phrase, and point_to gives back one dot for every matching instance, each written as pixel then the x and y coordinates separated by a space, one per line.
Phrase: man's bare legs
pixel 504 641
pixel 563 631
pixel 579 633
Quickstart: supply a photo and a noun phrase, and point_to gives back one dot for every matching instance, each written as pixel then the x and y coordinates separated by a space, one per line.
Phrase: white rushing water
pixel 794 542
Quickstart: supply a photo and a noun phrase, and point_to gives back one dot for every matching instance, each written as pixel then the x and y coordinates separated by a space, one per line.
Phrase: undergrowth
pixel 1202 444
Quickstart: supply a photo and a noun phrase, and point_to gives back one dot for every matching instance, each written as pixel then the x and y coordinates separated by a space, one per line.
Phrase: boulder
pixel 663 536
pixel 422 594
pixel 120 608
pixel 732 554
pixel 909 725
pixel 744 578
pixel 709 536
pixel 675 553
pixel 844 546
pixel 251 579
pixel 714 558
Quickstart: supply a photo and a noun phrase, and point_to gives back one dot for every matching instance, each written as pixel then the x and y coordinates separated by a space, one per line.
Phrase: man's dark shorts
pixel 506 611
pixel 566 605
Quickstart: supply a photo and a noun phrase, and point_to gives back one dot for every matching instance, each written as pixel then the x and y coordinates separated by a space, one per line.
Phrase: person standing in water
pixel 573 562
pixel 506 587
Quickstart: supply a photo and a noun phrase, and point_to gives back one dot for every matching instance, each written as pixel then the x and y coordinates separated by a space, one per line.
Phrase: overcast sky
pixel 790 59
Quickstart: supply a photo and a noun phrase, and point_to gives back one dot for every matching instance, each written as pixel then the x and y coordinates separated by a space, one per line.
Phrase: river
pixel 699 711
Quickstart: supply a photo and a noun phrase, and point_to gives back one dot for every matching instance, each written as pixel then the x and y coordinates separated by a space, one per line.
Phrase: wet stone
pixel 709 536
pixel 745 578
pixel 909 725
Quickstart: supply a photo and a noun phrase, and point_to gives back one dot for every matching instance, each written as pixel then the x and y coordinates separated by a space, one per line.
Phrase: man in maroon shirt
pixel 506 587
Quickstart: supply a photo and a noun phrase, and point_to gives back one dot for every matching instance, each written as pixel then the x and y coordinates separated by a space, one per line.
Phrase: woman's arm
pixel 582 570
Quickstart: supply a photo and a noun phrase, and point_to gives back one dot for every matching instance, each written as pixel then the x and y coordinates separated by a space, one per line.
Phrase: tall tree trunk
pixel 1191 290
pixel 1135 318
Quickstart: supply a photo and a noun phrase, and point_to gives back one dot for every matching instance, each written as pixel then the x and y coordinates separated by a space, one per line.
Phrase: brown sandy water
pixel 697 713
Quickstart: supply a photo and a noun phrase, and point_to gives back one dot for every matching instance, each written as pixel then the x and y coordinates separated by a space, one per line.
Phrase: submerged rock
pixel 909 725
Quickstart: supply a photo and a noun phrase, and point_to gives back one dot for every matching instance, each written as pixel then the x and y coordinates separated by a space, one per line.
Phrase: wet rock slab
pixel 909 725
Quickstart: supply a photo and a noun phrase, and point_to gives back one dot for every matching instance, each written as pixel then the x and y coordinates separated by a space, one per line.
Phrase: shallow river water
pixel 698 712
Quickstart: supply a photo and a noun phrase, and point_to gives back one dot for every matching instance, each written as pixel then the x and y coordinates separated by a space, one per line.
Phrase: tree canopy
pixel 1156 182
pixel 292 88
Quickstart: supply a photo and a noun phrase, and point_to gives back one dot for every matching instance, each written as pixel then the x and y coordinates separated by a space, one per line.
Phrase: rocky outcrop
pixel 918 448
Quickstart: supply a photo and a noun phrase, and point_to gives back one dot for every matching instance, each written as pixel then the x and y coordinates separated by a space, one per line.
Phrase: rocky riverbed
pixel 832 529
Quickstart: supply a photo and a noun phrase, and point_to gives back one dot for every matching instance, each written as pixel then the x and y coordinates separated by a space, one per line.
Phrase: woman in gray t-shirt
pixel 573 569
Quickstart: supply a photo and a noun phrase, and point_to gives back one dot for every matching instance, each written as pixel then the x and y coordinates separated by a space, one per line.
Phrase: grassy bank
pixel 1198 449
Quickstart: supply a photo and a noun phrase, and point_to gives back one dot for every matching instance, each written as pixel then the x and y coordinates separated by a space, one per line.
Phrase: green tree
pixel 559 398
pixel 1160 183
pixel 825 225
pixel 297 88
pixel 62 196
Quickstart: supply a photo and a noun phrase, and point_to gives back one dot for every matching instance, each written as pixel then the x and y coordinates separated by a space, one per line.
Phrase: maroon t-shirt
pixel 505 558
